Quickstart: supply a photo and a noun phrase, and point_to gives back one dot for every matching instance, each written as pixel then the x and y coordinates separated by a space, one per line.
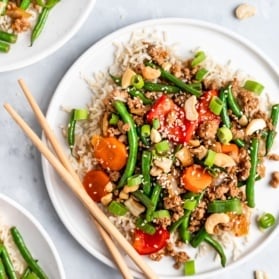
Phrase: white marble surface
pixel 20 166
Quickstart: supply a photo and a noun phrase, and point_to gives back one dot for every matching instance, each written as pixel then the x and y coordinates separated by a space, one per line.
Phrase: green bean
pixel 201 236
pixel 272 133
pixel 26 273
pixel 3 6
pixel 184 233
pixel 71 130
pixel 37 30
pixel 233 105
pixel 154 199
pixel 9 268
pixel 8 37
pixel 145 169
pixel 224 113
pixel 3 274
pixel 25 4
pixel 174 226
pixel 132 140
pixel 117 80
pixel 32 263
pixel 176 81
pixel 145 200
pixel 250 190
pixel 140 94
pixel 4 47
pixel 159 87
pixel 239 142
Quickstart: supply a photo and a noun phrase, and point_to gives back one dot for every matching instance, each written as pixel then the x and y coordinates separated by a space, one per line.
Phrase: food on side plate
pixel 16 261
pixel 21 16
pixel 171 148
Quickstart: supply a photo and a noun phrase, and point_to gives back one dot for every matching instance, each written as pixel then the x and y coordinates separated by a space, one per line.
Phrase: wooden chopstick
pixel 118 259
pixel 80 192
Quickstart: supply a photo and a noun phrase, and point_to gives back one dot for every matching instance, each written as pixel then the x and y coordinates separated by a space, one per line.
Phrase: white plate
pixel 63 22
pixel 73 92
pixel 34 235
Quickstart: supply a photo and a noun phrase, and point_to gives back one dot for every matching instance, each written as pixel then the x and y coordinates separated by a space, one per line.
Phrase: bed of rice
pixel 7 240
pixel 131 54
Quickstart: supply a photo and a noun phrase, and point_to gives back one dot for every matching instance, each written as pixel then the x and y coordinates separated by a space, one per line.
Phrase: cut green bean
pixel 3 274
pixel 3 6
pixel 145 226
pixel 7 262
pixel 224 113
pixel 154 199
pixel 200 74
pixel 8 37
pixel 159 87
pixel 32 263
pixel 232 103
pixel 4 47
pixel 250 185
pixel 224 206
pixel 25 4
pixel 199 57
pixel 139 94
pixel 239 142
pixel 272 133
pixel 145 169
pixel 144 199
pixel 132 140
pixel 266 221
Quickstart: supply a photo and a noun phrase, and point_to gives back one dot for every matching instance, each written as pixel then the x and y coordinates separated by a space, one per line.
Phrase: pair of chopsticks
pixel 63 167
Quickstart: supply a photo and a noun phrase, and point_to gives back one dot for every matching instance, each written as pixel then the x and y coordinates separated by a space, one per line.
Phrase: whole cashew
pixel 214 219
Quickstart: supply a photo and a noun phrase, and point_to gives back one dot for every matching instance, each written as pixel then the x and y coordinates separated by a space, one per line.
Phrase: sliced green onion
pixel 266 221
pixel 117 208
pixel 161 214
pixel 134 180
pixel 224 135
pixel 254 86
pixel 145 130
pixel 189 268
pixel 162 147
pixel 137 81
pixel 190 204
pixel 199 57
pixel 216 105
pixel 196 85
pixel 155 123
pixel 223 206
pixel 200 74
pixel 145 226
pixel 113 119
pixel 80 114
pixel 210 157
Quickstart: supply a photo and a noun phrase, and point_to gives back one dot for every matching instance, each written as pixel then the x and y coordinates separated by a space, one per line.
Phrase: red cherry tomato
pixel 94 183
pixel 146 244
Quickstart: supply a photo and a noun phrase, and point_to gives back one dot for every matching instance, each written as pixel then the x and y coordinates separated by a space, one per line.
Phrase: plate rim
pixel 56 46
pixel 18 207
pixel 129 28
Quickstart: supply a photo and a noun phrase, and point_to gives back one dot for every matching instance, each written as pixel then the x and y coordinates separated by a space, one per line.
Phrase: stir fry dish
pixel 16 261
pixel 21 16
pixel 177 150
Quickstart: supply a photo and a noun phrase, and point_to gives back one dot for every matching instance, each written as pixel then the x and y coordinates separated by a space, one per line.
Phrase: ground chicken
pixel 274 157
pixel 208 129
pixel 158 54
pixel 274 182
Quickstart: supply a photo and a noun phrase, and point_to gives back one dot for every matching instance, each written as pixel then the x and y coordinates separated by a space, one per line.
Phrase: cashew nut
pixel 164 164
pixel 214 219
pixel 150 73
pixel 255 125
pixel 155 136
pixel 127 78
pixel 244 11
pixel 184 156
pixel 223 160
pixel 105 200
pixel 190 108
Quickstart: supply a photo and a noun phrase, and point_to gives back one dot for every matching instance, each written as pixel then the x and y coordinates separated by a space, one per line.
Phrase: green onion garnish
pixel 134 180
pixel 190 204
pixel 199 57
pixel 137 81
pixel 254 86
pixel 145 226
pixel 155 123
pixel 189 268
pixel 224 135
pixel 113 119
pixel 145 130
pixel 200 74
pixel 210 157
pixel 216 105
pixel 223 206
pixel 80 114
pixel 160 214
pixel 162 147
pixel 267 220
pixel 117 208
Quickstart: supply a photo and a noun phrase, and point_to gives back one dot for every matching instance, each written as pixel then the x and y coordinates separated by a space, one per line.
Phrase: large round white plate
pixel 34 235
pixel 74 92
pixel 63 22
